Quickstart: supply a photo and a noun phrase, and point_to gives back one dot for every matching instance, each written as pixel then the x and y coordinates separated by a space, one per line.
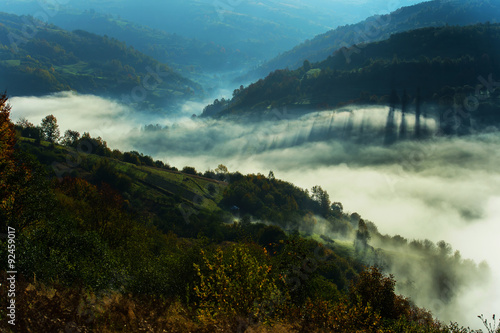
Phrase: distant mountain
pixel 448 65
pixel 259 29
pixel 38 58
pixel 427 14
pixel 190 57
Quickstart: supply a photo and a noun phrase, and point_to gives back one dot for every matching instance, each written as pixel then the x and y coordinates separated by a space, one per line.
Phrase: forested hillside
pixel 426 14
pixel 48 59
pixel 443 67
pixel 106 240
pixel 260 30
pixel 191 57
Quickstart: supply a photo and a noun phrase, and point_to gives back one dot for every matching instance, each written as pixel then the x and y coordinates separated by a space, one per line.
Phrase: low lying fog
pixel 440 189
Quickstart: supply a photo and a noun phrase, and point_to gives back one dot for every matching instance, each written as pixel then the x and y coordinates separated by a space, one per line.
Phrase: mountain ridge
pixel 50 59
pixel 191 57
pixel 445 66
pixel 379 27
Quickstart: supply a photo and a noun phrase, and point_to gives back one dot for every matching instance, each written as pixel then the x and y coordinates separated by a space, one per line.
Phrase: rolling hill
pixel 258 29
pixel 449 66
pixel 190 57
pixel 375 28
pixel 47 59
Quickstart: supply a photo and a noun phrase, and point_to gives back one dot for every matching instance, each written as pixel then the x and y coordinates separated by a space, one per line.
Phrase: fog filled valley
pixel 241 166
pixel 441 188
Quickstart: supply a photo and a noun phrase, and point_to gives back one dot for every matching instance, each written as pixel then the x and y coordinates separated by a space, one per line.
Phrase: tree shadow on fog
pixel 390 127
pixel 408 118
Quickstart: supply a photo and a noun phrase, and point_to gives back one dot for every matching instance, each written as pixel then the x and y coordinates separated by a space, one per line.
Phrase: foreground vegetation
pixel 109 245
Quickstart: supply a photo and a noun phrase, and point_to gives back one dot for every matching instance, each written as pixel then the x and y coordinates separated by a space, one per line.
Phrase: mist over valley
pixel 442 188
pixel 242 166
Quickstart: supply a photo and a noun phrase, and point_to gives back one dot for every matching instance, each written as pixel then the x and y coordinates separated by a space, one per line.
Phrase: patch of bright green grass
pixel 10 63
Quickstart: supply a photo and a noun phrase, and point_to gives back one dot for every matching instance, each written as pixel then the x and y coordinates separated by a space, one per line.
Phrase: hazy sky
pixel 340 11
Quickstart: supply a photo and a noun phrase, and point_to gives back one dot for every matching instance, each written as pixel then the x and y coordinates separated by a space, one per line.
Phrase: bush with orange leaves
pixel 14 174
pixel 370 306
pixel 234 283
pixel 7 164
pixel 374 289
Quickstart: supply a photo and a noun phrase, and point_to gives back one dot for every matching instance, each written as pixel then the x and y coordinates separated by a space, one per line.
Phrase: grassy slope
pixel 153 184
pixel 156 185
pixel 158 182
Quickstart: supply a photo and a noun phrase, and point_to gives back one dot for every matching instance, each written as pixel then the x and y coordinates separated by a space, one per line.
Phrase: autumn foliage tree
pixel 7 133
pixel 376 290
pixel 50 129
pixel 25 198
pixel 28 130
pixel 234 282
pixel 12 175
pixel 7 141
